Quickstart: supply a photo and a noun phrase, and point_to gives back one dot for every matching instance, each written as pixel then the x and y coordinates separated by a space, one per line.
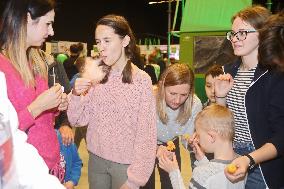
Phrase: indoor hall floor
pixel 83 183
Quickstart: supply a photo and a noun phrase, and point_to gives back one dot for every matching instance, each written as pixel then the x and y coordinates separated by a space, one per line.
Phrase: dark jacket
pixel 70 67
pixel 264 103
pixel 150 70
pixel 57 70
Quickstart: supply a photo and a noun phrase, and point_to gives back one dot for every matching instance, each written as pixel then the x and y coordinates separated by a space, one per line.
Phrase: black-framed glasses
pixel 241 35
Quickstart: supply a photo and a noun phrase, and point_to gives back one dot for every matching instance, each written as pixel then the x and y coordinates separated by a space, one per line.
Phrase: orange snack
pixel 231 168
pixel 93 70
pixel 170 145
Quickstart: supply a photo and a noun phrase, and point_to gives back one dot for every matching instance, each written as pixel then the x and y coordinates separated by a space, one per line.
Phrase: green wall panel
pixel 187 56
pixel 199 87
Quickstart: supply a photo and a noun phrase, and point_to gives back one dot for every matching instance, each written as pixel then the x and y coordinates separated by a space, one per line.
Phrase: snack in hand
pixel 94 70
pixel 231 168
pixel 170 145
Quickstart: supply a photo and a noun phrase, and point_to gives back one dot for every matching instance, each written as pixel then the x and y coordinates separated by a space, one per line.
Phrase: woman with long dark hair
pixel 24 25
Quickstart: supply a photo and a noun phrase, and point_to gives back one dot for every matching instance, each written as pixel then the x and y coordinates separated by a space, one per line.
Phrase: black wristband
pixel 251 161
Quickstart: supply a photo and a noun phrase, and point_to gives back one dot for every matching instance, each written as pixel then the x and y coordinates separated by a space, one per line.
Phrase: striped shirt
pixel 236 102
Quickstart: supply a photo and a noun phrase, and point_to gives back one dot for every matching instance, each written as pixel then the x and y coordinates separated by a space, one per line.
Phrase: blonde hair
pixel 39 62
pixel 28 63
pixel 217 118
pixel 176 74
pixel 19 59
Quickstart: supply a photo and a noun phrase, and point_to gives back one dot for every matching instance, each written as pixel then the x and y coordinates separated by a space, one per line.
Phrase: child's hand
pixel 161 150
pixel 168 164
pixel 93 71
pixel 194 143
pixel 223 84
pixel 81 86
pixel 69 185
pixel 193 139
pixel 66 134
pixel 199 154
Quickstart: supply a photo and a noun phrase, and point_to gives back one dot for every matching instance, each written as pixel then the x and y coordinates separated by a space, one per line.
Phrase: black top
pixel 70 67
pixel 150 70
pixel 57 70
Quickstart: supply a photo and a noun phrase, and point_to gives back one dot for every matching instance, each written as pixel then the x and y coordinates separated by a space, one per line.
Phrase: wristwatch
pixel 251 161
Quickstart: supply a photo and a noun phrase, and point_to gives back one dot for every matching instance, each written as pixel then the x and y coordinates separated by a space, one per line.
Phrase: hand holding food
pixel 94 70
pixel 47 100
pixel 170 145
pixel 231 168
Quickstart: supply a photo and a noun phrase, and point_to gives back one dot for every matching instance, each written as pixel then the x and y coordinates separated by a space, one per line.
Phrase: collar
pixel 233 69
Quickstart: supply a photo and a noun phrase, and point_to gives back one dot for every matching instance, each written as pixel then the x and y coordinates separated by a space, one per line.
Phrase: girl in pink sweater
pixel 25 25
pixel 120 113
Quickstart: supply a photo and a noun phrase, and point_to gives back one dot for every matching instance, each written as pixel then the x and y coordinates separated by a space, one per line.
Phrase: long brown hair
pixel 255 15
pixel 121 27
pixel 13 35
pixel 271 43
pixel 176 74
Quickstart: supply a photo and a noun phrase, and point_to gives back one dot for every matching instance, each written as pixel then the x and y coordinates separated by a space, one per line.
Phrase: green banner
pixel 210 15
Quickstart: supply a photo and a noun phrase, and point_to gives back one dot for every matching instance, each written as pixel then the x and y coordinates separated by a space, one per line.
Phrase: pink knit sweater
pixel 40 131
pixel 121 123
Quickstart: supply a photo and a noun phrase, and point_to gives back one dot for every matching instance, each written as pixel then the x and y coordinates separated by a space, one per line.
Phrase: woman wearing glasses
pixel 255 96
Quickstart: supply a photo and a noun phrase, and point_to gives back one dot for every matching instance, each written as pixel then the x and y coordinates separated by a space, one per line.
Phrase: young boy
pixel 210 76
pixel 72 163
pixel 214 134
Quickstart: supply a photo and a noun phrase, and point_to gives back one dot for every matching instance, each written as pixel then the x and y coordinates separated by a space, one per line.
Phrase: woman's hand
pixel 168 162
pixel 81 86
pixel 47 100
pixel 64 102
pixel 242 164
pixel 223 84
